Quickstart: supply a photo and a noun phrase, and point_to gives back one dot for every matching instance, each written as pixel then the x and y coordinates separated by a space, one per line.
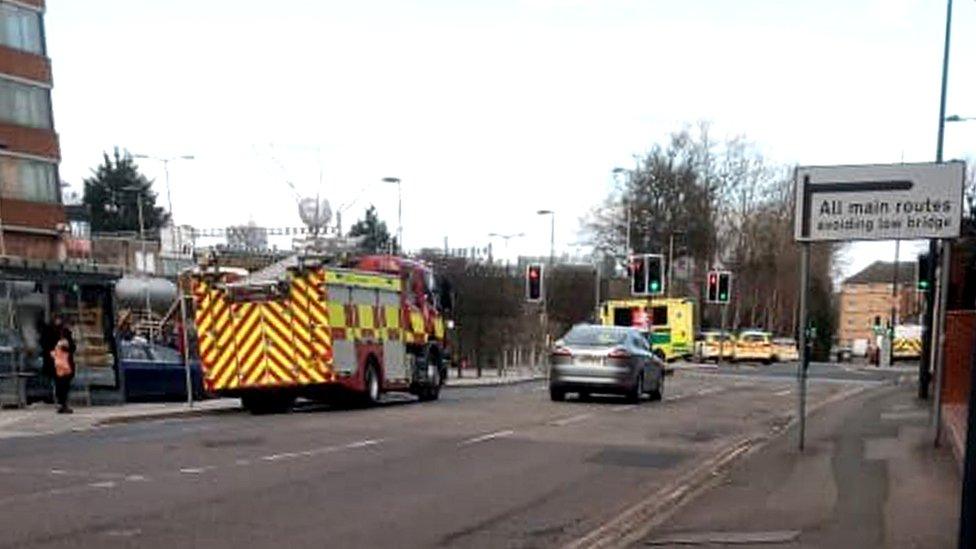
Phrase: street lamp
pixel 166 161
pixel 142 237
pixel 552 234
pixel 506 238
pixel 616 172
pixel 399 209
pixel 671 259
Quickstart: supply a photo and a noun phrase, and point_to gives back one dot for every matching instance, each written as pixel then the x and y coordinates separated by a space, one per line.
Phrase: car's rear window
pixel 595 336
pixel 754 338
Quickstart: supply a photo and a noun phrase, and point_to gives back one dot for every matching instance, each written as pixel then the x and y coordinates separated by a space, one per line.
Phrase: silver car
pixel 605 359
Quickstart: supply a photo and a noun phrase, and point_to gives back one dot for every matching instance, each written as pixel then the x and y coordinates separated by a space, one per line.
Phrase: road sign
pixel 879 202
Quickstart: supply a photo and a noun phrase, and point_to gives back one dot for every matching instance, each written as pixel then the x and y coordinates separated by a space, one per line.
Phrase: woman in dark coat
pixel 56 333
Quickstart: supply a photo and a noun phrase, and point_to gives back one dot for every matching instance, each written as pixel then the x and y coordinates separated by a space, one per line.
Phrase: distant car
pixel 785 350
pixel 711 343
pixel 155 373
pixel 605 359
pixel 753 345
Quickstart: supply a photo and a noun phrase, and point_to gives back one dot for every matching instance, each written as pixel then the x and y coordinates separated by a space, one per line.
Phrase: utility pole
pixel 925 364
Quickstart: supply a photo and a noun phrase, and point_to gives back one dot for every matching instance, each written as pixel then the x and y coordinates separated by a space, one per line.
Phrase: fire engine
pixel 311 327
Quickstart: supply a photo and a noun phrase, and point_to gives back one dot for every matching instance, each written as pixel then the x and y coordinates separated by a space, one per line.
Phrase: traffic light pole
pixel 801 373
pixel 721 335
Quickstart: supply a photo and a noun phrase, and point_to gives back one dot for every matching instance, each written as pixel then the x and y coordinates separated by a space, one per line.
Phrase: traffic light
pixel 638 275
pixel 533 282
pixel 655 274
pixel 922 282
pixel 724 286
pixel 647 274
pixel 719 288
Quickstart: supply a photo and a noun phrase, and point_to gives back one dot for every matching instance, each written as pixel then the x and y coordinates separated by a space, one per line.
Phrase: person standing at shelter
pixel 58 347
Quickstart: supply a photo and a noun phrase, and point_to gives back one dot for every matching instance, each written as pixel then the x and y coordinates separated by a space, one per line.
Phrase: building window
pixel 22 179
pixel 25 105
pixel 20 28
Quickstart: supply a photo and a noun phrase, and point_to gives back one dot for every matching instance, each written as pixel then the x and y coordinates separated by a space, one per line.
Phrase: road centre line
pixel 489 436
pixel 317 451
pixel 784 392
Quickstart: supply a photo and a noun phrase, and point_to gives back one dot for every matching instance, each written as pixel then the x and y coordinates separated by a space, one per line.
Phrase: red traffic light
pixel 712 279
pixel 533 273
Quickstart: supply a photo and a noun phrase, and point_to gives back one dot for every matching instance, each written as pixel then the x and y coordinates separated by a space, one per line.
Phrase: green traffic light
pixel 723 297
pixel 655 286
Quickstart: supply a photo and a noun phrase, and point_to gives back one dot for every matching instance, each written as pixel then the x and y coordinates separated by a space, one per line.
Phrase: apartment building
pixel 866 298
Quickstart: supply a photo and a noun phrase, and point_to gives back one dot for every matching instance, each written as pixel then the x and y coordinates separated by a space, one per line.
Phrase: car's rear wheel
pixel 658 392
pixel 557 395
pixel 634 396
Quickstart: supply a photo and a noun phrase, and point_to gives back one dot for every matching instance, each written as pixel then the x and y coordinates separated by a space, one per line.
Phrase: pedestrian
pixel 59 345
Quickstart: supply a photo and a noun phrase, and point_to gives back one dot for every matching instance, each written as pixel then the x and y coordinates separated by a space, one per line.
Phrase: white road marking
pixel 196 470
pixel 571 419
pixel 123 533
pixel 783 392
pixel 136 478
pixel 104 484
pixel 319 451
pixel 489 436
pixel 623 408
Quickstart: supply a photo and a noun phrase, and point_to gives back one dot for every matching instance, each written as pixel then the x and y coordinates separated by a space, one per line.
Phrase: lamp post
pixel 399 209
pixel 671 259
pixel 166 161
pixel 552 234
pixel 617 171
pixel 142 237
pixel 506 238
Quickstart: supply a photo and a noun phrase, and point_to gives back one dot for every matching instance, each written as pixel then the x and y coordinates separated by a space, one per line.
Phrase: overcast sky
pixel 491 110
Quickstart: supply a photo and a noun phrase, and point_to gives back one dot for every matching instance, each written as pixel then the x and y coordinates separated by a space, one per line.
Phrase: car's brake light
pixel 561 351
pixel 619 353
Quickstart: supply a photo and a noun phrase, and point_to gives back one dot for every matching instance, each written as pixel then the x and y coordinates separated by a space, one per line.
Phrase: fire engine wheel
pixel 433 390
pixel 371 397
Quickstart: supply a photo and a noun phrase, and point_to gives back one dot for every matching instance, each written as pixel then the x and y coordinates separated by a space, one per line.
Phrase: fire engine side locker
pixel 364 310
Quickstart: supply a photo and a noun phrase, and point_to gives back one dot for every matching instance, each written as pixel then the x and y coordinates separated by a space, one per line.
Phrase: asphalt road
pixel 486 467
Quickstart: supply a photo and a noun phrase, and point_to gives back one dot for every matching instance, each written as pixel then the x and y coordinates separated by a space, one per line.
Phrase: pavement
pixel 489 466
pixel 41 419
pixel 868 477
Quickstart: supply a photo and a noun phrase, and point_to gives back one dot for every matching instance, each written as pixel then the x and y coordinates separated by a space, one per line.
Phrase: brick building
pixel 866 297
pixel 45 263
pixel 31 214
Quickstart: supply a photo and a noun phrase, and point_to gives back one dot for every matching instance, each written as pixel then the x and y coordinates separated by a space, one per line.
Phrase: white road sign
pixel 879 202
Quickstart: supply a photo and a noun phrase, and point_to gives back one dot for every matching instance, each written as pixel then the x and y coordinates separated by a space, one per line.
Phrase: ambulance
pixel 669 322
pixel 313 327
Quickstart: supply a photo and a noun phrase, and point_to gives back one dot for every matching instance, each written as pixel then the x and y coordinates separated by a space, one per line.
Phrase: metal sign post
pixel 186 351
pixel 801 373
